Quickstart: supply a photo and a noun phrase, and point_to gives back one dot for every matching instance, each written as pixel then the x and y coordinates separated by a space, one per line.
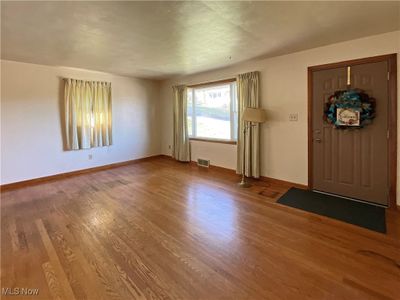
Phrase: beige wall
pixel 222 155
pixel 283 91
pixel 31 140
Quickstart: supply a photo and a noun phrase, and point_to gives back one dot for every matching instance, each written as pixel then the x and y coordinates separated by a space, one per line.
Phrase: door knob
pixel 318 140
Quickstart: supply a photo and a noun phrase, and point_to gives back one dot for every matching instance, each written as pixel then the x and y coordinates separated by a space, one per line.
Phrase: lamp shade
pixel 256 115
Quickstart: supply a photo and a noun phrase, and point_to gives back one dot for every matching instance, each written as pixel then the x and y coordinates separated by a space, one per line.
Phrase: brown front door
pixel 352 163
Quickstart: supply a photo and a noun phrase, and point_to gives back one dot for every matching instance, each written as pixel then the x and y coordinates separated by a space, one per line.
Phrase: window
pixel 88 114
pixel 212 112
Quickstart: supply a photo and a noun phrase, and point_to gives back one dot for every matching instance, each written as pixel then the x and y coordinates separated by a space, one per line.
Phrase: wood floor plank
pixel 166 230
pixel 52 281
pixel 59 272
pixel 247 260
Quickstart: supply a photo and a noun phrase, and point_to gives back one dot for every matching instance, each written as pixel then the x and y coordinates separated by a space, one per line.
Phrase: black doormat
pixel 353 212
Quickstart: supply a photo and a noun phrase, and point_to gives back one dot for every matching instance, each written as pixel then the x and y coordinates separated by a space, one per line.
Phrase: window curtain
pixel 248 96
pixel 88 114
pixel 181 147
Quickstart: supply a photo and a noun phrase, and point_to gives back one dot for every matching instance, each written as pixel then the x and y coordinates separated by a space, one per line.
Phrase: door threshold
pixel 352 199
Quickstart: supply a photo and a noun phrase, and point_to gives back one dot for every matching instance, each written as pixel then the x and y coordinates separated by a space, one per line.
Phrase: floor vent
pixel 203 163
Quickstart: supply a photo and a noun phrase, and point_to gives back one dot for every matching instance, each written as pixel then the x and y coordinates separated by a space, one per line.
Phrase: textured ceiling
pixel 162 39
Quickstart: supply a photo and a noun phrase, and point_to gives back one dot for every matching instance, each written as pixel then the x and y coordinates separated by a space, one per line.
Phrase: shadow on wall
pixel 61 108
pixel 153 123
pixel 272 115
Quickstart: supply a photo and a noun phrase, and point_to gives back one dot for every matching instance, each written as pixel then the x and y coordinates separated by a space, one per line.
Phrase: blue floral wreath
pixel 354 99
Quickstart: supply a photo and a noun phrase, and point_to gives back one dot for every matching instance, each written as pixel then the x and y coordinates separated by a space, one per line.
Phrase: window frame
pixel 193 87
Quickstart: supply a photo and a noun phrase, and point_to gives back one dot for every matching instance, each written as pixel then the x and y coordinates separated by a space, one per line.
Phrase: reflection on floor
pixel 162 229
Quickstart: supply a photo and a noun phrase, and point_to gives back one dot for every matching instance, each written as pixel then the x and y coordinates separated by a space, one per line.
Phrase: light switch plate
pixel 293 117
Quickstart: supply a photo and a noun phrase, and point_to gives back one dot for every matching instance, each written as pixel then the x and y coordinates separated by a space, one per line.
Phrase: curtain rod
pixel 65 78
pixel 212 82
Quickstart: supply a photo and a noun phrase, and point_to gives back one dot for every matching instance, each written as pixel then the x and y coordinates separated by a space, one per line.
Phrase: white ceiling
pixel 162 39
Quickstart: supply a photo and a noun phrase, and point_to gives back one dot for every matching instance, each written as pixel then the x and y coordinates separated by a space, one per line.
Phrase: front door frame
pixel 392 146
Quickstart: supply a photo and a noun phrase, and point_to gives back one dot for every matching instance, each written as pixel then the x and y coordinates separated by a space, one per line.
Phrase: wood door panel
pixel 327 151
pixel 366 161
pixel 352 163
pixel 346 162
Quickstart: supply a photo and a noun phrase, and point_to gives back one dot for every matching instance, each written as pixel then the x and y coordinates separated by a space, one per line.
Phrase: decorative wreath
pixel 349 109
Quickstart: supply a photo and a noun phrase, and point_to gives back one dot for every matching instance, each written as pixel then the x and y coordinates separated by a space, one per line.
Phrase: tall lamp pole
pixel 250 116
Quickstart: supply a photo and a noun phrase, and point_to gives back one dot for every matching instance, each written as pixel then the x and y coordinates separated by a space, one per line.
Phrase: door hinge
pixel 388 75
pixel 388 134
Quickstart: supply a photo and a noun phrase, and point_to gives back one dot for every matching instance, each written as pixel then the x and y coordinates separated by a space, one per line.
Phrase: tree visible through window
pixel 212 112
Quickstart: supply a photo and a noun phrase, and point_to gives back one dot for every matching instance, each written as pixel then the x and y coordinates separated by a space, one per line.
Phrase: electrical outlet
pixel 90 156
pixel 169 147
pixel 293 117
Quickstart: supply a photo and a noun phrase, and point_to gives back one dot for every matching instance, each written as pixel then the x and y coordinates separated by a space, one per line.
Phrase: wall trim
pixel 262 178
pixel 213 167
pixel 39 180
pixel 284 182
pixel 35 181
pixel 213 141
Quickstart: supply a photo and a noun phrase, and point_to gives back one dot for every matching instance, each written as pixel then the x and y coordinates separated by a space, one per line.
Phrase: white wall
pixel 31 139
pixel 222 155
pixel 31 136
pixel 283 91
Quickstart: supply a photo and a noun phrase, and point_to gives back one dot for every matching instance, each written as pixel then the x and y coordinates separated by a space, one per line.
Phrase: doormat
pixel 357 213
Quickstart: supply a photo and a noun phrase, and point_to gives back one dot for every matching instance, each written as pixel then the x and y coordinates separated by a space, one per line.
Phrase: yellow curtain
pixel 88 114
pixel 248 96
pixel 181 150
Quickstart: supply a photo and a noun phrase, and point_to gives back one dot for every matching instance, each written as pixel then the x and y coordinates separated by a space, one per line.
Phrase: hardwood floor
pixel 161 229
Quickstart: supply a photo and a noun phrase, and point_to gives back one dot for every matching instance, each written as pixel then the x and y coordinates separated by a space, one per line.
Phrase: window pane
pixel 190 111
pixel 213 112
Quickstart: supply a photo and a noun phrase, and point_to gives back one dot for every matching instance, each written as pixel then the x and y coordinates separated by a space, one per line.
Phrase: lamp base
pixel 244 184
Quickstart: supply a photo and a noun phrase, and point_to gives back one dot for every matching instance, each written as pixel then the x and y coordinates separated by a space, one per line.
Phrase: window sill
pixel 213 141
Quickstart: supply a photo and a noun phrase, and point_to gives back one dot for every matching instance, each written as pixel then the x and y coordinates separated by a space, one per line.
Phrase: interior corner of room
pixel 137 101
pixel 284 95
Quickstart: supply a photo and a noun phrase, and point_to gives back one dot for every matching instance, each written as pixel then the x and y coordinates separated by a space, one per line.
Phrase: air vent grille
pixel 203 163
